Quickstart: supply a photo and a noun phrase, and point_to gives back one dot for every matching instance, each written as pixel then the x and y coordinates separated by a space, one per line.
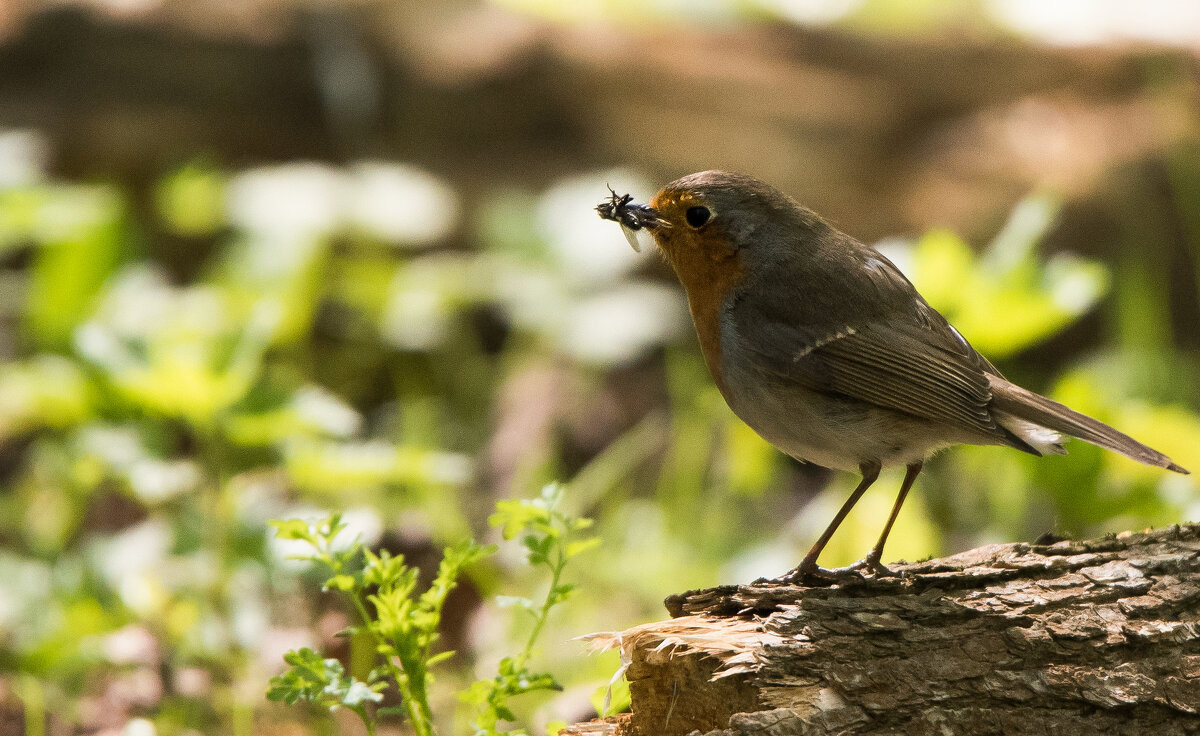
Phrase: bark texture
pixel 1072 637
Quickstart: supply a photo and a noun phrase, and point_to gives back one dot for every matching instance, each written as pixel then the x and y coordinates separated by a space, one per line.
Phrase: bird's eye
pixel 697 216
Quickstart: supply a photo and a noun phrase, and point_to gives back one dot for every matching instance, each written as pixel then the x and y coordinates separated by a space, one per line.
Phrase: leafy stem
pixel 548 535
pixel 555 595
pixel 402 625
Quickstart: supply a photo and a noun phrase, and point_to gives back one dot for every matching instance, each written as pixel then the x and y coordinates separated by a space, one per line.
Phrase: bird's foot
pixel 816 576
pixel 811 574
pixel 878 569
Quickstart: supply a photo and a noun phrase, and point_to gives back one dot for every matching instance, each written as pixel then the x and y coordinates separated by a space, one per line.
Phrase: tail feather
pixel 1025 405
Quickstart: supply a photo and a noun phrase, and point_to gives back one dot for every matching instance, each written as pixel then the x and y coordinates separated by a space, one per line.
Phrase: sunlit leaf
pixel 1005 300
pixel 342 467
pixel 192 199
pixel 80 230
pixel 44 391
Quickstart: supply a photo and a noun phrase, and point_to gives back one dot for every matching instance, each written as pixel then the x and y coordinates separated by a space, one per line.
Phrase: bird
pixel 824 348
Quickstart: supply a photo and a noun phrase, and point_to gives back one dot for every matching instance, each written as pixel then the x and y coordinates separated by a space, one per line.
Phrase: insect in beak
pixel 631 217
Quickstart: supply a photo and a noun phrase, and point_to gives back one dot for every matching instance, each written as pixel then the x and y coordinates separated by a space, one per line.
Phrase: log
pixel 1066 637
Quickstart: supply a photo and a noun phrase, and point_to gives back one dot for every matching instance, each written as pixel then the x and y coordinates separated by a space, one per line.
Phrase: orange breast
pixel 709 267
pixel 709 282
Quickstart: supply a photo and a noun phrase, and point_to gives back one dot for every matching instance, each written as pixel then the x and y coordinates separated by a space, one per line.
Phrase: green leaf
pixel 583 545
pixel 385 570
pixel 538 548
pixel 546 535
pixel 560 593
pixel 44 391
pixel 343 582
pixel 542 681
pixel 439 658
pixel 503 713
pixel 191 200
pixel 291 529
pixel 322 682
pixel 81 230
pixel 515 516
pixel 343 467
pixel 1036 299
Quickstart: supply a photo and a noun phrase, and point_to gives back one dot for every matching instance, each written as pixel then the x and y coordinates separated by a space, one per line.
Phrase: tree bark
pixel 1071 637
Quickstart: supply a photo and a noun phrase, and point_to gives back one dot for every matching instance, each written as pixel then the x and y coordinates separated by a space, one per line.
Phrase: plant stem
pixel 543 614
pixel 366 719
pixel 420 715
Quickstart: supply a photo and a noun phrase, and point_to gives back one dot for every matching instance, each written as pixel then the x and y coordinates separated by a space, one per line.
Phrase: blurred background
pixel 273 258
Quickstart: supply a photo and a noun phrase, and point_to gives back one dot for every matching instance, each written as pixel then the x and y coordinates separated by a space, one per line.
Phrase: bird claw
pixel 814 575
pixel 877 568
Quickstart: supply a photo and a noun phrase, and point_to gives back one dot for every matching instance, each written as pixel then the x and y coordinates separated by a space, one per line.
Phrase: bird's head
pixel 713 217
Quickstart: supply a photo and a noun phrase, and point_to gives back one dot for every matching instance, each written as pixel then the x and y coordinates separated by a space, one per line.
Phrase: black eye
pixel 697 216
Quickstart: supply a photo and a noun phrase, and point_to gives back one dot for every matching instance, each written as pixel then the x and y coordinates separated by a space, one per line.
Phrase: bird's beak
pixel 632 217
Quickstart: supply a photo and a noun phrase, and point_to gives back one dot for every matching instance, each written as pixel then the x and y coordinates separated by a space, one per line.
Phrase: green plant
pixel 548 535
pixel 403 626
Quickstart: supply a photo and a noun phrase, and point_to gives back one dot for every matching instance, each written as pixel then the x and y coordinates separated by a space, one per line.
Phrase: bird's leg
pixel 872 560
pixel 808 568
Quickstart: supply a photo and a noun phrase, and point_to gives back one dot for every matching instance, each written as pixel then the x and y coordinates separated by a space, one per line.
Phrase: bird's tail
pixel 1036 409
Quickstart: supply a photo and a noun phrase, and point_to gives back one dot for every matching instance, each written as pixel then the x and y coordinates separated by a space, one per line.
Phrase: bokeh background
pixel 267 259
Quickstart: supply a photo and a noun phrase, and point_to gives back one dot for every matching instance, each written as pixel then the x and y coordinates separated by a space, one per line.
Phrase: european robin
pixel 825 349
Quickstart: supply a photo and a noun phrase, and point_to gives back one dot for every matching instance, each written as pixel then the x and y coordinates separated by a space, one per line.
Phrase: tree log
pixel 1069 637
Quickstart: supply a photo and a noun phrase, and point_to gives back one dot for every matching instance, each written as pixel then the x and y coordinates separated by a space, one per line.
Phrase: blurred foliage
pixel 1154 21
pixel 300 340
pixel 1005 299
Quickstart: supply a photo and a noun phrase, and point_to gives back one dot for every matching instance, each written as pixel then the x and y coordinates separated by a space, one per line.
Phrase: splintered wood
pixel 1089 637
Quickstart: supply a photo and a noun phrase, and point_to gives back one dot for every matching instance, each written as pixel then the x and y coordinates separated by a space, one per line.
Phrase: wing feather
pixel 900 365
pixel 869 336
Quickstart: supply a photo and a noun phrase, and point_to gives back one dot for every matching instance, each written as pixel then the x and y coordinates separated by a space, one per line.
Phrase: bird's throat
pixel 709 283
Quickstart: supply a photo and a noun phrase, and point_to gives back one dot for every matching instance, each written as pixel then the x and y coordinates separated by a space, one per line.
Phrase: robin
pixel 826 350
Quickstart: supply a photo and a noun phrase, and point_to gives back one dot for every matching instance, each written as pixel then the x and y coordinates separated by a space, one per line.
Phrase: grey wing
pixel 916 364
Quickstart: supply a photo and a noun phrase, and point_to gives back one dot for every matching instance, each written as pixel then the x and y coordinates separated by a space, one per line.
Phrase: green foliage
pixel 1036 300
pixel 154 421
pixel 403 626
pixel 80 231
pixel 191 200
pixel 548 535
pixel 323 682
pixel 46 391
